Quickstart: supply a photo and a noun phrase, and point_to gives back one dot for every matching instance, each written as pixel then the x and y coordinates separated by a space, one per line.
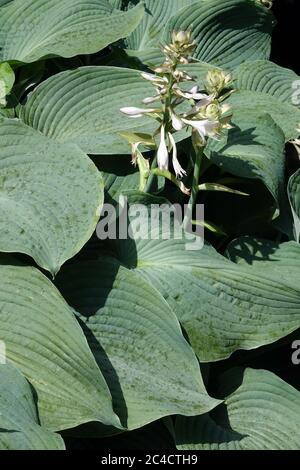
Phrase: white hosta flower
pixel 133 112
pixel 205 101
pixel 2 93
pixel 154 78
pixel 204 127
pixel 162 152
pixel 193 94
pixel 177 122
pixel 181 76
pixel 179 171
pixel 151 99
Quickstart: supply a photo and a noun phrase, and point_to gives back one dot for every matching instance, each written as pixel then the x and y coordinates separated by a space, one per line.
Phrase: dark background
pixel 286 36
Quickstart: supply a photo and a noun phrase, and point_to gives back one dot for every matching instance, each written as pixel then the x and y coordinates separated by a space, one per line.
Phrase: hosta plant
pixel 149 238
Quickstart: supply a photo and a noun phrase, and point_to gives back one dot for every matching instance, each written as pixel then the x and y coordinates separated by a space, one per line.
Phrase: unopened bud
pixel 212 111
pixel 181 38
pixel 216 81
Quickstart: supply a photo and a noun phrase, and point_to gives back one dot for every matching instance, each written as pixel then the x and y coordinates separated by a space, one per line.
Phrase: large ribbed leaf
pixel 51 196
pixel 44 341
pixel 285 114
pixel 222 306
pixel 294 197
pixel 261 414
pixel 227 32
pixel 116 4
pixel 7 78
pixel 255 251
pixel 265 77
pixel 118 175
pixel 45 28
pixel 157 13
pixel 19 423
pixel 136 339
pixel 83 106
pixel 254 148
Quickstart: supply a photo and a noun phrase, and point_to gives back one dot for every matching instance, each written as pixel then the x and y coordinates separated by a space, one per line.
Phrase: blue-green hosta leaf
pixel 266 77
pixel 222 306
pixel 252 250
pixel 285 114
pixel 7 77
pixel 45 28
pixel 227 32
pixel 51 196
pixel 294 197
pixel 254 148
pixel 118 174
pixel 19 422
pixel 282 258
pixel 44 341
pixel 5 112
pixel 150 57
pixel 83 106
pixel 4 2
pixel 148 34
pixel 116 4
pixel 151 370
pixel 261 414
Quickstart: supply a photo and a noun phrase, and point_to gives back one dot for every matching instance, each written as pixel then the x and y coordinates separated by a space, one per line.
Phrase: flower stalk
pixel 178 107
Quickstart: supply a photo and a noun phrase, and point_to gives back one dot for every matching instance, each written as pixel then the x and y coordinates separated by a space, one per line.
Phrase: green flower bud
pixel 181 38
pixel 216 81
pixel 213 111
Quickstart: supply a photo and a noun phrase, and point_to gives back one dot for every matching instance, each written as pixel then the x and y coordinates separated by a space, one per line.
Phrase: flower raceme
pixel 207 116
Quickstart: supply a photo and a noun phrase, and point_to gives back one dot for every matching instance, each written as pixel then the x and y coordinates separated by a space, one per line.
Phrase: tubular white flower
pixel 194 94
pixel 179 171
pixel 206 100
pixel 154 78
pixel 177 123
pixel 204 127
pixel 182 76
pixel 162 153
pixel 151 99
pixel 133 112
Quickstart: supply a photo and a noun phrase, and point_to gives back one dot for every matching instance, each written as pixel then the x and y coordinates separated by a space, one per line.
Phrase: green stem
pixel 195 184
pixel 144 170
pixel 151 177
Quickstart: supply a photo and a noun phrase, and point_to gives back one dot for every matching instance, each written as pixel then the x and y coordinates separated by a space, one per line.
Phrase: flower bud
pixel 212 111
pixel 181 38
pixel 216 81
